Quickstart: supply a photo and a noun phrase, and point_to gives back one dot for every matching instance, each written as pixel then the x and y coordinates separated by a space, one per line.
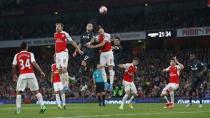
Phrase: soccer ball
pixel 103 10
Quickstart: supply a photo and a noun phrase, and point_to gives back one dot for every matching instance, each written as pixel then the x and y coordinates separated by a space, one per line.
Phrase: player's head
pixel 89 27
pixel 99 66
pixel 135 61
pixel 59 27
pixel 116 40
pixel 192 56
pixel 24 46
pixel 101 30
pixel 172 62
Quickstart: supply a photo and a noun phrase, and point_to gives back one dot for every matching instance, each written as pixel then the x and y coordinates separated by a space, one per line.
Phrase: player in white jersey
pixel 26 62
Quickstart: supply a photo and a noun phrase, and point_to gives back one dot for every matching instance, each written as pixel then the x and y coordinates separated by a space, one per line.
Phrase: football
pixel 103 10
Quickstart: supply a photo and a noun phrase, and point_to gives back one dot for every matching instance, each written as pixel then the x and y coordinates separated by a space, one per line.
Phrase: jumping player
pixel 61 38
pixel 58 87
pixel 197 68
pixel 174 72
pixel 128 82
pixel 88 52
pixel 106 56
pixel 26 63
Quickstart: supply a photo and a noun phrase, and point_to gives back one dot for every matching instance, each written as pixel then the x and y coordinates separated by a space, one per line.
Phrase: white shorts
pixel 129 86
pixel 174 86
pixel 27 81
pixel 107 58
pixel 62 59
pixel 58 86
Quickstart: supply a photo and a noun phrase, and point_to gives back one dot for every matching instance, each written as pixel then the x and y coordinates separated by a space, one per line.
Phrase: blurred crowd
pixel 36 27
pixel 149 80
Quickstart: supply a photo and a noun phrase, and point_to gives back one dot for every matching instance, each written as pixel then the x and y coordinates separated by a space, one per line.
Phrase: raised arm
pixel 180 65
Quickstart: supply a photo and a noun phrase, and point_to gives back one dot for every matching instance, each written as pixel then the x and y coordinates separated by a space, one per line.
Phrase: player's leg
pixel 133 95
pixel 103 94
pixel 110 63
pixel 57 95
pixel 199 88
pixel 164 94
pixel 64 72
pixel 103 63
pixel 63 95
pixel 34 87
pixel 20 87
pixel 192 89
pixel 127 94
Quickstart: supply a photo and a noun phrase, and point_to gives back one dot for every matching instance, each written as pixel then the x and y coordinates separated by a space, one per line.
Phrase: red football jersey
pixel 108 46
pixel 56 76
pixel 24 61
pixel 61 40
pixel 130 70
pixel 174 72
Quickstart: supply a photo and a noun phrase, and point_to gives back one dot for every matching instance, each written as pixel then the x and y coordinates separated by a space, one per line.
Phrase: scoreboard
pixel 160 34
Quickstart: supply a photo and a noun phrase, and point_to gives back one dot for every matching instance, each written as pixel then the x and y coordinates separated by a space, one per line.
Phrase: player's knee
pixel 110 67
pixel 170 89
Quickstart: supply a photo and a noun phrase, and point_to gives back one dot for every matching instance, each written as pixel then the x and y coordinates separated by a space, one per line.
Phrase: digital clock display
pixel 160 34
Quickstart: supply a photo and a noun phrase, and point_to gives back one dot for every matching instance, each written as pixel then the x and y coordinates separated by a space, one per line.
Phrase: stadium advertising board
pixel 189 32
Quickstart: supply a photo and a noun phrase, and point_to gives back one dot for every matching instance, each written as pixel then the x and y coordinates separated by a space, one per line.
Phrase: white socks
pixel 131 99
pixel 58 100
pixel 65 79
pixel 40 99
pixel 111 76
pixel 18 101
pixel 172 96
pixel 125 97
pixel 63 97
pixel 104 74
pixel 165 97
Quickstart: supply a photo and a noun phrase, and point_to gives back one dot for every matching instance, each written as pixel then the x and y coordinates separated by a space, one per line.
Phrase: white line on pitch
pixel 138 114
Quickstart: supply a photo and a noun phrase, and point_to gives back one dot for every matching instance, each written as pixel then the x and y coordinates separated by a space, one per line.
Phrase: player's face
pixel 116 42
pixel 135 62
pixel 59 28
pixel 101 31
pixel 172 63
pixel 89 27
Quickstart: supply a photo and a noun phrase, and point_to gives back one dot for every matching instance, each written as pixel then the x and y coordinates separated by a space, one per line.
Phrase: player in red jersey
pixel 61 38
pixel 174 72
pixel 106 56
pixel 128 82
pixel 58 86
pixel 26 63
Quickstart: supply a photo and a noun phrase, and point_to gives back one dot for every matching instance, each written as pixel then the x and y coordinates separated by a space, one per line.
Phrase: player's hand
pixel 81 52
pixel 42 74
pixel 14 78
pixel 175 59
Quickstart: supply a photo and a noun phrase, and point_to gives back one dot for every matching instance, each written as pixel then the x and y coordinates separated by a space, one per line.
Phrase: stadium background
pixel 153 30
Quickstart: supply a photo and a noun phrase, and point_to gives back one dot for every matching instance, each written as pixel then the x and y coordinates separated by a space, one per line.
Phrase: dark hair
pixel 99 27
pixel 23 45
pixel 59 23
pixel 117 37
pixel 136 59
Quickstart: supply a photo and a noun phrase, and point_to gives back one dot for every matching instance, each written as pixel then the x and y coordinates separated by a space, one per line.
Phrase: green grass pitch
pixel 148 110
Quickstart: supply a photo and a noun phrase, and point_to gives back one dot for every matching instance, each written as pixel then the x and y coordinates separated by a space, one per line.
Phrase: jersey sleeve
pixel 68 37
pixel 15 60
pixel 32 58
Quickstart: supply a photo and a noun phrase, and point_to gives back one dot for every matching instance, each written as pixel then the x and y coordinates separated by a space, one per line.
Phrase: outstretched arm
pixel 181 65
